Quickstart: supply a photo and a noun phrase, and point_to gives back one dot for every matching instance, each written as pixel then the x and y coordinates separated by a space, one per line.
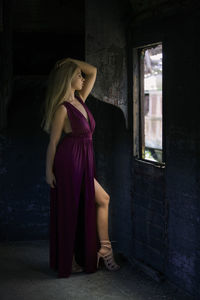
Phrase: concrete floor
pixel 25 275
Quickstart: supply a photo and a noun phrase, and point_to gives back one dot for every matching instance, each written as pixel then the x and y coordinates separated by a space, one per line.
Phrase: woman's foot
pixel 106 254
pixel 75 267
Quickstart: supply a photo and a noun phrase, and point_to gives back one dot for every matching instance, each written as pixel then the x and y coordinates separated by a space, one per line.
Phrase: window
pixel 1 16
pixel 147 103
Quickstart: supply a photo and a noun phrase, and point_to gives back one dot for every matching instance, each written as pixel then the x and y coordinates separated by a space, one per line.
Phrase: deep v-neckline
pixel 88 121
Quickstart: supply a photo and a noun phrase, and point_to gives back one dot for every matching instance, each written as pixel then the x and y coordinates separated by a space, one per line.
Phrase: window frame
pixel 138 108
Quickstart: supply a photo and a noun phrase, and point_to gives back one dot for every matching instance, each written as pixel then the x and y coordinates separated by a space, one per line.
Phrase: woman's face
pixel 77 81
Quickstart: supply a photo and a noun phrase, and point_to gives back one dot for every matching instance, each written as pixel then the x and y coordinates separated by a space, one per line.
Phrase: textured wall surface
pixel 182 150
pixel 154 213
pixel 105 47
pixel 49 16
pixel 24 194
pixel 24 202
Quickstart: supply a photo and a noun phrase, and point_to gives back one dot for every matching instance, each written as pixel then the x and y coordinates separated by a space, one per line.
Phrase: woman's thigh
pixel 101 196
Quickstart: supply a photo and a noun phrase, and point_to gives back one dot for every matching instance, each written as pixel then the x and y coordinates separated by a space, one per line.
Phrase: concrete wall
pixel 106 48
pixel 27 55
pixel 49 16
pixel 182 153
pixel 154 212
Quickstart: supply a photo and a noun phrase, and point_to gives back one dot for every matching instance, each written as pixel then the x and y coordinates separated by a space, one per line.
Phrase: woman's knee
pixel 101 196
pixel 105 200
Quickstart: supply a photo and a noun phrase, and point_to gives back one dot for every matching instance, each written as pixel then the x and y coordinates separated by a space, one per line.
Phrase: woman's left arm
pixel 90 77
pixel 85 67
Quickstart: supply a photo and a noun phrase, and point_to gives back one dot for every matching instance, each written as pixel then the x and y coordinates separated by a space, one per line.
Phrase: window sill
pixel 152 163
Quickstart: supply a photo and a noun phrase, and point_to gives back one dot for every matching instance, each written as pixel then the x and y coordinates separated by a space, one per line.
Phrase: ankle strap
pixel 105 241
pixel 109 247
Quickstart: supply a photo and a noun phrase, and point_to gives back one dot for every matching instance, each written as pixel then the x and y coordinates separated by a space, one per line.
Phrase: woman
pixel 78 203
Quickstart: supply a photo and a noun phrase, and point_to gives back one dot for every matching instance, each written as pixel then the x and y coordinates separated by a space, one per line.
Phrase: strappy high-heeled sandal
pixel 108 257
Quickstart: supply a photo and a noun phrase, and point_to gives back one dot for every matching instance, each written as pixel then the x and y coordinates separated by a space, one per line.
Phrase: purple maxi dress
pixel 72 226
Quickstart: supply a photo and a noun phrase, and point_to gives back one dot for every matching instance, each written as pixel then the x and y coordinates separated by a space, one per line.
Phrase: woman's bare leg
pixel 102 199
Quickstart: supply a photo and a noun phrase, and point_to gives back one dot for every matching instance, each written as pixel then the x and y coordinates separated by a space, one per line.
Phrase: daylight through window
pixel 151 102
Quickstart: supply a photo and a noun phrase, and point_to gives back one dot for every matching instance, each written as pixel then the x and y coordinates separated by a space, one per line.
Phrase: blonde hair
pixel 59 85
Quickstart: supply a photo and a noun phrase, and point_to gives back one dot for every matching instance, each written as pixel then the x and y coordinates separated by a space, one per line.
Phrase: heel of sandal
pixel 108 257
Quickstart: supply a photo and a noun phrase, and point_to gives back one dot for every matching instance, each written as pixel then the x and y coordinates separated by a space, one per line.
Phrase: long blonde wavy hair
pixel 58 86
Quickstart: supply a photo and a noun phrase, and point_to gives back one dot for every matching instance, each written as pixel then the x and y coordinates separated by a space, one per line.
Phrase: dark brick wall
pixel 34 53
pixel 49 16
pixel 176 213
pixel 105 47
pixel 182 150
pixel 149 215
pixel 154 212
pixel 24 202
pixel 24 194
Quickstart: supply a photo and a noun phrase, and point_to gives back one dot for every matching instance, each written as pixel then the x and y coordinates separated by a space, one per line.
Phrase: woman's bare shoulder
pixel 61 110
pixel 62 107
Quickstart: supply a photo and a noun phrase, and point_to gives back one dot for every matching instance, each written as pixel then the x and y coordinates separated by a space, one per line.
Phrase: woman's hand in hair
pixel 60 62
